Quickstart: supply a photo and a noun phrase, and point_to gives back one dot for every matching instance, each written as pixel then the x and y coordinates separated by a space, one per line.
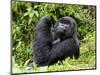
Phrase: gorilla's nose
pixel 60 30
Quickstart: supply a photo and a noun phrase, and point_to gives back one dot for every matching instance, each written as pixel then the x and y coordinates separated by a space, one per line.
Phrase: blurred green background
pixel 25 16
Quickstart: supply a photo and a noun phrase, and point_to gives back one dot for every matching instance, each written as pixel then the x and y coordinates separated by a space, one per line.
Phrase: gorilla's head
pixel 65 27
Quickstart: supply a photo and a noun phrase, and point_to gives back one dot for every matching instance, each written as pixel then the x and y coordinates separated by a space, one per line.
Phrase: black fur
pixel 48 49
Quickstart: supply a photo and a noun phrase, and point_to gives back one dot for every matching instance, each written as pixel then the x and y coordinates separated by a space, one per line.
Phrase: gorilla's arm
pixel 43 41
pixel 66 48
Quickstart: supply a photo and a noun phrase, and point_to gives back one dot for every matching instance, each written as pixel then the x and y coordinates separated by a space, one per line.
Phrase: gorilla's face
pixel 64 28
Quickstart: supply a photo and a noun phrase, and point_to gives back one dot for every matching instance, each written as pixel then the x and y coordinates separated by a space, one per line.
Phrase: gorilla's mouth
pixel 60 34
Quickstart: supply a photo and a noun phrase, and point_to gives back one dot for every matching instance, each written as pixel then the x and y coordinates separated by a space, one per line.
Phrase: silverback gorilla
pixel 50 46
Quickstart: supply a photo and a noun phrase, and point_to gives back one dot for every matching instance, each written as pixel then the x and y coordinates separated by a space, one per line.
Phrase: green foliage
pixel 25 16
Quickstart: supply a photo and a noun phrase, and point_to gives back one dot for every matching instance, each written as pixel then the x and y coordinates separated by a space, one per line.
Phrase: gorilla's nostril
pixel 60 31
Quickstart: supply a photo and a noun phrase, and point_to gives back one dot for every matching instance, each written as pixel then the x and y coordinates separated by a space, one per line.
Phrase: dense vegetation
pixel 25 16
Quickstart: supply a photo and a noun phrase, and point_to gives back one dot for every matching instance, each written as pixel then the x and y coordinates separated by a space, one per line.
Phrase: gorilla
pixel 51 46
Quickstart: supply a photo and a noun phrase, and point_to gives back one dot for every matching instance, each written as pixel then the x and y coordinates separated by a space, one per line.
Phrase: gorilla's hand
pixel 45 22
pixel 56 41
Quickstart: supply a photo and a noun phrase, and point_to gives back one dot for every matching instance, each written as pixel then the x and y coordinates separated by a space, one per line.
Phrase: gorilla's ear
pixel 74 26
